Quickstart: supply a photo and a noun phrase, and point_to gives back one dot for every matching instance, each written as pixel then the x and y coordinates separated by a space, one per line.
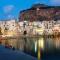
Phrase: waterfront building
pixel 41 16
pixel 9 27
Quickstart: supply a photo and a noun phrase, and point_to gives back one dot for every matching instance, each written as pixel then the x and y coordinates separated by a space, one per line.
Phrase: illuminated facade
pixel 9 28
pixel 14 28
pixel 47 16
pixel 39 20
pixel 39 27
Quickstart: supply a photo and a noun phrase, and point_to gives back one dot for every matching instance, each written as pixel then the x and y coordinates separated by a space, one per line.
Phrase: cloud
pixel 55 2
pixel 8 8
pixel 10 17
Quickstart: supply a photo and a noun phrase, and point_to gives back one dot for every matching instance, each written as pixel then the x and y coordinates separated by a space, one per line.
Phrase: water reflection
pixel 29 44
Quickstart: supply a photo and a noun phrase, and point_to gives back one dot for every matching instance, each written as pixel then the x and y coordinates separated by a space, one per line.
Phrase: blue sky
pixel 11 8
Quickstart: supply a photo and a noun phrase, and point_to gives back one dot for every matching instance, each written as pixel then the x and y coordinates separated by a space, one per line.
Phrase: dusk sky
pixel 11 8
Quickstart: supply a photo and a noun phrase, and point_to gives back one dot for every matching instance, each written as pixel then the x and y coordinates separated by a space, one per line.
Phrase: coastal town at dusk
pixel 31 32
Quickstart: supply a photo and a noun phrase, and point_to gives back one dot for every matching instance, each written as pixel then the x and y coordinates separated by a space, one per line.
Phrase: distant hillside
pixel 39 12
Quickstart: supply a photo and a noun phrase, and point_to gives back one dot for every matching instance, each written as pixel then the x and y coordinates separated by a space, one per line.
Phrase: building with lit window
pixel 44 14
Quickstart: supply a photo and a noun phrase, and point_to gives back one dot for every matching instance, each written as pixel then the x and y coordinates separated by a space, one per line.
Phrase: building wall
pixel 17 28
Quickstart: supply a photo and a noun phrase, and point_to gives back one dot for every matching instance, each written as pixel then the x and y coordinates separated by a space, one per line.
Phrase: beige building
pixel 12 28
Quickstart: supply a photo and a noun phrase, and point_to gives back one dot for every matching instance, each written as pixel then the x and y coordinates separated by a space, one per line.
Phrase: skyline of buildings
pixel 40 19
pixel 34 30
pixel 14 28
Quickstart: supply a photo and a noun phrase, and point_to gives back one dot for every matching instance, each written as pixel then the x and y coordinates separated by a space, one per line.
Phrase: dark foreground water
pixel 9 54
pixel 51 55
pixel 28 46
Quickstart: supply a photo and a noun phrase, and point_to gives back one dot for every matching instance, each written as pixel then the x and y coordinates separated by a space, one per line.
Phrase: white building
pixel 35 27
pixel 38 27
pixel 11 25
pixel 48 27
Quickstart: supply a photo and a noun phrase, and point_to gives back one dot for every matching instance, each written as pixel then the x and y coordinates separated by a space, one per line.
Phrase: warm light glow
pixel 56 28
pixel 40 30
pixel 41 43
pixel 11 33
pixel 7 35
pixel 36 46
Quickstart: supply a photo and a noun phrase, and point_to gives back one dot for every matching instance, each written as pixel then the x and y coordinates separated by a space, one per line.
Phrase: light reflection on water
pixel 28 43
